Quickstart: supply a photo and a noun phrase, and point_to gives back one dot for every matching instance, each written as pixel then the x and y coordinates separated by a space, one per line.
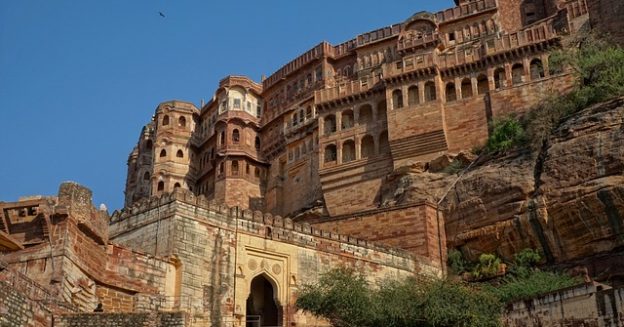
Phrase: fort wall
pixel 220 250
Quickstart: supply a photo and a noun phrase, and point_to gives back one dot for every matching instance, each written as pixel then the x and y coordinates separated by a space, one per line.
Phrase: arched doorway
pixel 262 308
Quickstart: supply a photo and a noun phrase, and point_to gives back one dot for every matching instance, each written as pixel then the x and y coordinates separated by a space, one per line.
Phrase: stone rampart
pixel 146 212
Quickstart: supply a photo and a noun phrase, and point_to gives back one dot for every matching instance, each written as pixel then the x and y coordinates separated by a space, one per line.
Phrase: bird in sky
pixel 161 14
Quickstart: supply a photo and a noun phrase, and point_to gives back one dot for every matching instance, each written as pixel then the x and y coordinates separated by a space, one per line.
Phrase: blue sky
pixel 78 79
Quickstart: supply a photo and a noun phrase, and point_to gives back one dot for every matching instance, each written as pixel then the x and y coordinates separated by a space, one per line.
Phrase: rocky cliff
pixel 567 201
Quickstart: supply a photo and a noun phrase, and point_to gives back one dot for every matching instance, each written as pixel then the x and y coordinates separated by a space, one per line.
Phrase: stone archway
pixel 262 307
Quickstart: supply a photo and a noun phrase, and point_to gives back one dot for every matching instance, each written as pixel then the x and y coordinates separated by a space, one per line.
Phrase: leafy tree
pixel 450 304
pixel 341 295
pixel 345 299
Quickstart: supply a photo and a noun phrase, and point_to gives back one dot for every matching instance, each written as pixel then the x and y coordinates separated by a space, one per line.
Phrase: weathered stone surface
pixel 589 304
pixel 570 204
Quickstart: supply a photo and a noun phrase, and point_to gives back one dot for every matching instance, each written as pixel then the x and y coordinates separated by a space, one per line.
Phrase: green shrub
pixel 506 134
pixel 488 266
pixel 536 282
pixel 454 167
pixel 456 261
pixel 527 258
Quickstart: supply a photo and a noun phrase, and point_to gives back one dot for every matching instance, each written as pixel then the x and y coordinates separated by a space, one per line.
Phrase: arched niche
pixel 263 305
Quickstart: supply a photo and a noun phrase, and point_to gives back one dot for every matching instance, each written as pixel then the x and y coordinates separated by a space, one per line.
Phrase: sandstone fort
pixel 336 159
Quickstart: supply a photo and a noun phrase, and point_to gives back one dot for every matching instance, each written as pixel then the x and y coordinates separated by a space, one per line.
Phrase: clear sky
pixel 79 78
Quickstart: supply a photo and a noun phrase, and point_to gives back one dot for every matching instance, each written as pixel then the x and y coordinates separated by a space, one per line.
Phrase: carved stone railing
pixel 464 10
pixel 347 89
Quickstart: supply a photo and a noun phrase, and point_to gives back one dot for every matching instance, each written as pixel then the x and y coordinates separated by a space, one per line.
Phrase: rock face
pixel 568 201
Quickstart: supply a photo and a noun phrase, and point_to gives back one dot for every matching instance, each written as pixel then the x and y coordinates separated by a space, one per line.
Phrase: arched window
pixel 466 88
pixel 348 151
pixel 308 112
pixel 146 176
pixel 257 143
pixel 365 114
pixel 482 84
pixel 467 32
pixel 148 145
pixel 430 91
pixel 382 110
pixel 499 78
pixel 537 69
pixel 180 154
pixel 412 95
pixel 176 185
pixel 384 144
pixel 163 153
pixel 165 121
pixel 161 186
pixel 367 147
pixel 222 138
pixel 397 99
pixel 330 124
pixel 475 30
pixel 182 121
pixel 517 71
pixel 450 92
pixel 235 168
pixel 330 153
pixel 347 119
pixel 235 136
pixel 257 172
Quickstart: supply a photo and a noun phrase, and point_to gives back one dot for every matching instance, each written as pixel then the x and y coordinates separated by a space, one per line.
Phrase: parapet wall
pixel 589 304
pixel 146 212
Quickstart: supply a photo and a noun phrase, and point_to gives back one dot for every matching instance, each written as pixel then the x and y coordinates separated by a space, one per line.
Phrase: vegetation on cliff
pixel 598 67
pixel 346 298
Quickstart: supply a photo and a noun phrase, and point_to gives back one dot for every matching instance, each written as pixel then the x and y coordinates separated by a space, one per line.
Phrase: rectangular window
pixel 237 104
pixel 451 37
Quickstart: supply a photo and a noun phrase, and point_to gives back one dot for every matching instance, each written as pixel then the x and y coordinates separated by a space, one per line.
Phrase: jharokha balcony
pixel 538 33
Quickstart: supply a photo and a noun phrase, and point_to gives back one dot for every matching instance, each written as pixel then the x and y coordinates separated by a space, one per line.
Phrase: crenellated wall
pixel 221 249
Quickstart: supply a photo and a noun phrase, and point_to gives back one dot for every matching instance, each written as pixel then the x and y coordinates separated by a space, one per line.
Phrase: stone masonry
pixel 232 206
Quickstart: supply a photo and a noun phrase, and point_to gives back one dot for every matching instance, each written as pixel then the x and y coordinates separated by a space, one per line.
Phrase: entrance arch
pixel 262 307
